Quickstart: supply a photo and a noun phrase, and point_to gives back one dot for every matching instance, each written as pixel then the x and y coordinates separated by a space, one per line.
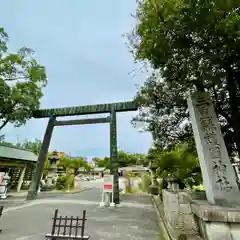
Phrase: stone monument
pixel 218 174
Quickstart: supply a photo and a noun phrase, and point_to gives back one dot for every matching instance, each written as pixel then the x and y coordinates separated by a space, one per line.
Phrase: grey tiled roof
pixel 17 153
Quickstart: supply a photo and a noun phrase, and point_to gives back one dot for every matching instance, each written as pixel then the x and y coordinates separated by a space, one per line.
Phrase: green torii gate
pixel 53 113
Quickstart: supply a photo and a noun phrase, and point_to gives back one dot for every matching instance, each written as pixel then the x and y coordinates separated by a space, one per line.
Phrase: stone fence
pixel 188 215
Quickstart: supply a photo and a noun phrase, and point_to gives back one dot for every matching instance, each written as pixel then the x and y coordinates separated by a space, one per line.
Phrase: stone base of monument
pixel 216 222
pixel 185 215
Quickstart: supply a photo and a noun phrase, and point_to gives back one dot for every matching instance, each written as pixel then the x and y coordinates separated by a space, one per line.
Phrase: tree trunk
pixel 4 124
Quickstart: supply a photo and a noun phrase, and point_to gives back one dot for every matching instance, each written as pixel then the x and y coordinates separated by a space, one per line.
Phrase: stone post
pixel 218 174
pixel 20 181
pixel 113 156
pixel 33 190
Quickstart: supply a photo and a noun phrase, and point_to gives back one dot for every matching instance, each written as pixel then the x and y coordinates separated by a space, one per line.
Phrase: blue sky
pixel 81 45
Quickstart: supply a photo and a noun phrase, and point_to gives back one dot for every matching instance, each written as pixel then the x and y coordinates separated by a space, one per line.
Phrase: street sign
pixel 108 183
pixel 108 186
pixel 1 177
pixel 107 192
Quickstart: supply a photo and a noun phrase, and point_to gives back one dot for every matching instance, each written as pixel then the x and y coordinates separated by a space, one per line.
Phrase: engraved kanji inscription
pixel 200 99
pixel 211 139
pixel 215 152
pixel 211 130
pixel 203 109
pixel 206 122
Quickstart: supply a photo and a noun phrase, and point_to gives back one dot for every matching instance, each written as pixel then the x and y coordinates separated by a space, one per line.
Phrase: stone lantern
pixel 4 178
pixel 153 188
pixel 52 167
pixel 153 169
pixel 172 183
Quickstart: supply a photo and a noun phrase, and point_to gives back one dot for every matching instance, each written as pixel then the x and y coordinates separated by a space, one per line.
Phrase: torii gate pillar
pixel 113 156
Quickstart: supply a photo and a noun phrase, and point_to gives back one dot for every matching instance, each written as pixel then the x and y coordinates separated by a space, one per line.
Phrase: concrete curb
pixel 161 222
pixel 65 193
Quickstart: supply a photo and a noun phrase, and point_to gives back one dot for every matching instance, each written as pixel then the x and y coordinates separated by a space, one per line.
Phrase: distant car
pixel 85 178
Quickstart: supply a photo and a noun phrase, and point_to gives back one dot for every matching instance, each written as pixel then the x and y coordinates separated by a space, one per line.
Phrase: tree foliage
pixel 34 146
pixel 181 163
pixel 124 159
pixel 191 45
pixel 3 141
pixel 68 163
pixel 73 164
pixel 101 162
pixel 21 81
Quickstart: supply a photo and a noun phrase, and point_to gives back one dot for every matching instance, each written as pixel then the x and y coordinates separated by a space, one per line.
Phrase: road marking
pixel 70 201
pixel 66 201
pixel 10 209
pixel 27 237
pixel 46 201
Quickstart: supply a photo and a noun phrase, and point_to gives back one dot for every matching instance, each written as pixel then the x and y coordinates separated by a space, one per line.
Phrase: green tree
pixel 127 159
pixel 138 159
pixel 72 164
pixel 45 171
pixel 180 163
pixel 21 81
pixel 87 167
pixel 3 141
pixel 34 146
pixel 124 159
pixel 102 162
pixel 191 45
pixel 2 138
pixel 97 161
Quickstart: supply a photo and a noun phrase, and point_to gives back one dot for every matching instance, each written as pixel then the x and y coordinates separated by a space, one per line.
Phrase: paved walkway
pixel 134 219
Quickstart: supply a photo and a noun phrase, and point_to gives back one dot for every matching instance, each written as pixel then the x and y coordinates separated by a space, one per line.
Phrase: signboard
pixel 1 177
pixel 3 187
pixel 108 183
pixel 107 193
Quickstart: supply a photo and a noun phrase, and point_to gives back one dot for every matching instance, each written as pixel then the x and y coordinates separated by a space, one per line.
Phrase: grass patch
pixel 199 187
pixel 161 236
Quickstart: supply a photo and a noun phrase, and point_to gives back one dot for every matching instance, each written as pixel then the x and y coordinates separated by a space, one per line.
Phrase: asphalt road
pixel 134 219
pixel 20 200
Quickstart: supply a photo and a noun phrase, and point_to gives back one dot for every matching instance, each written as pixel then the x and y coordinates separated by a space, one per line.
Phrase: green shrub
pixel 199 188
pixel 128 186
pixel 146 182
pixel 153 189
pixel 140 187
pixel 129 189
pixel 70 181
pixel 61 183
pixel 46 188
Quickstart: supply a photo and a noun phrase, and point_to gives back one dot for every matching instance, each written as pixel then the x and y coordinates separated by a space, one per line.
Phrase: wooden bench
pixel 68 227
pixel 1 212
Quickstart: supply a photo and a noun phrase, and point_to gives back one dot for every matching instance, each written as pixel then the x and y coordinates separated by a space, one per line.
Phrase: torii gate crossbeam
pixel 53 113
